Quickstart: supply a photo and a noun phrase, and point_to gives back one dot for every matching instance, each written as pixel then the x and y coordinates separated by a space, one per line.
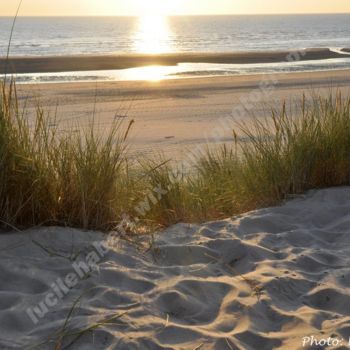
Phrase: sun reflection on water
pixel 153 35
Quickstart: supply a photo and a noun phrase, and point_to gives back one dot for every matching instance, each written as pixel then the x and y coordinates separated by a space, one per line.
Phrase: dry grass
pixel 284 155
pixel 49 177
pixel 83 179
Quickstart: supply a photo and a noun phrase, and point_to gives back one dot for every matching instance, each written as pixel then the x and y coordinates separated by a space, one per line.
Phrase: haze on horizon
pixel 169 7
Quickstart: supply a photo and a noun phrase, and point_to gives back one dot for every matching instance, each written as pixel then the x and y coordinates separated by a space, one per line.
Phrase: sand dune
pixel 263 280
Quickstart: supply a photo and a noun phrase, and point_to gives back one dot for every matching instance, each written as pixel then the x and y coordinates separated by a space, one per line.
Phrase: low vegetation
pixel 85 179
pixel 50 176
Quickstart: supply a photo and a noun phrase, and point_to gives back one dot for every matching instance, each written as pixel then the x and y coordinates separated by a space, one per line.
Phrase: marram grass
pixel 84 179
pixel 53 177
pixel 281 156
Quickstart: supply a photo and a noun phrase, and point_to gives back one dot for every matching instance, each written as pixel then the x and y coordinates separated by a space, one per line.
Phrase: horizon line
pixel 193 15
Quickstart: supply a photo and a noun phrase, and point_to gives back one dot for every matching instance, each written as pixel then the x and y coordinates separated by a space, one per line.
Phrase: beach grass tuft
pixel 49 176
pixel 283 155
pixel 84 178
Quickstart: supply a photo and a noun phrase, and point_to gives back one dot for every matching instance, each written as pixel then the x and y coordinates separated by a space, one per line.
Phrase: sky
pixel 169 7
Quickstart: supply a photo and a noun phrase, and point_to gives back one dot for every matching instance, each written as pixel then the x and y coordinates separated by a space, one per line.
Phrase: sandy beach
pixel 173 116
pixel 262 280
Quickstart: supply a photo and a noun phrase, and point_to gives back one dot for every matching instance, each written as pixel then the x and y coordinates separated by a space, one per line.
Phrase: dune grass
pixel 84 179
pixel 54 177
pixel 281 156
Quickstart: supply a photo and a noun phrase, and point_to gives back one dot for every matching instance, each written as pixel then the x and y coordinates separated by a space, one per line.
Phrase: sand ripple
pixel 262 280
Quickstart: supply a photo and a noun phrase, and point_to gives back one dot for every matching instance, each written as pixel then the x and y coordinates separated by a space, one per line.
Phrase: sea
pixel 43 36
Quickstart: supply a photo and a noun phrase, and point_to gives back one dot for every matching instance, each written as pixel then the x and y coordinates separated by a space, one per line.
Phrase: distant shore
pixel 55 64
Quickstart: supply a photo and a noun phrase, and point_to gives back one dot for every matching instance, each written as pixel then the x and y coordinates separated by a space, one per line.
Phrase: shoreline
pixel 332 72
pixel 78 63
pixel 213 83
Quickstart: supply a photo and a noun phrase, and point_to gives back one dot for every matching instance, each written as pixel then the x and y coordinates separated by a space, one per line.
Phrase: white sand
pixel 186 293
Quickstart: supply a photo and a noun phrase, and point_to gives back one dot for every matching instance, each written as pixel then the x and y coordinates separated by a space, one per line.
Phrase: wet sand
pixel 51 64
